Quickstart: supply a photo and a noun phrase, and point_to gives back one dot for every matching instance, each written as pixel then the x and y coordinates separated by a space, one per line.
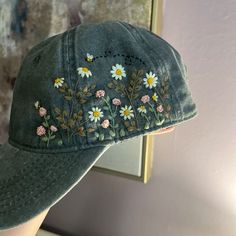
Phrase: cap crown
pixel 96 84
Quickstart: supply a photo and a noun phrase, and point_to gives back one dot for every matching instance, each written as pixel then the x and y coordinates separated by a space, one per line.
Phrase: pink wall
pixel 192 191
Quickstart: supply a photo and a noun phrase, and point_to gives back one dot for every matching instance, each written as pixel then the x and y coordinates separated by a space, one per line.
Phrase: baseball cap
pixel 77 94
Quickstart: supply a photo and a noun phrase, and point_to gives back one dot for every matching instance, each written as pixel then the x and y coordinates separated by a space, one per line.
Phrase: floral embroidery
pixel 96 114
pixel 116 101
pixel 126 112
pixel 142 109
pixel 150 80
pixel 58 82
pixel 105 124
pixel 46 130
pixel 118 72
pixel 137 102
pixel 155 97
pixel 89 57
pixel 100 93
pixel 159 108
pixel 84 71
pixel 145 99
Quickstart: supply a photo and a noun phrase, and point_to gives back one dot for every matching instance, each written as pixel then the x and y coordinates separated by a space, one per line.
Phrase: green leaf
pixel 146 126
pixel 68 98
pixel 116 126
pixel 105 108
pixel 47 117
pixel 57 110
pixel 101 137
pixel 96 134
pixel 45 124
pixel 90 129
pixel 59 142
pixel 110 117
pixel 158 122
pixel 44 138
pixel 53 136
pixel 122 133
pixel 110 85
pixel 112 133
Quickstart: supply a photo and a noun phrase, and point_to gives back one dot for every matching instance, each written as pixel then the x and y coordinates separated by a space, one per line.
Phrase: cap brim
pixel 31 182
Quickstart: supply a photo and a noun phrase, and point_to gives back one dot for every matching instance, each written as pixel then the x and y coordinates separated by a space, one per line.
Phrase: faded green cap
pixel 76 94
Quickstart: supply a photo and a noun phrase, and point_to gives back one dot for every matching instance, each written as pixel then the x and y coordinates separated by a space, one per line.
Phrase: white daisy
pixel 96 114
pixel 155 97
pixel 142 109
pixel 126 112
pixel 84 71
pixel 58 82
pixel 118 71
pixel 89 57
pixel 151 80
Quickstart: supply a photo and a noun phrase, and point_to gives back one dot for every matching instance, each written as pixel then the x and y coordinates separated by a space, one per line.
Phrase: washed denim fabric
pixel 76 94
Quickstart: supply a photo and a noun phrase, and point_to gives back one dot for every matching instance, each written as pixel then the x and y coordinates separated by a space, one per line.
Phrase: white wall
pixel 192 191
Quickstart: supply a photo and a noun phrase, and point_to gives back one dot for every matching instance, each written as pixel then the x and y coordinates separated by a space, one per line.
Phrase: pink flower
pixel 145 99
pixel 100 93
pixel 116 101
pixel 160 108
pixel 42 111
pixel 41 130
pixel 53 128
pixel 105 123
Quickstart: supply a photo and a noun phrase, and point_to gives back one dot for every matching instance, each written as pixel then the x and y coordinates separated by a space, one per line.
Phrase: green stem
pixel 153 110
pixel 135 115
pixel 113 121
pixel 49 136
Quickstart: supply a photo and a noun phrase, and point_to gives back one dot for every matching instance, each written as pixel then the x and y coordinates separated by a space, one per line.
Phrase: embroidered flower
pixel 42 111
pixel 89 57
pixel 84 71
pixel 58 82
pixel 36 104
pixel 126 112
pixel 116 101
pixel 118 72
pixel 41 131
pixel 160 108
pixel 96 114
pixel 145 99
pixel 142 109
pixel 151 80
pixel 105 124
pixel 100 93
pixel 154 97
pixel 53 128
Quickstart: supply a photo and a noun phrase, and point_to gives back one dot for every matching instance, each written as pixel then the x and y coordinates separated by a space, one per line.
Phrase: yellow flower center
pixel 118 71
pixel 142 108
pixel 154 97
pixel 150 80
pixel 85 69
pixel 96 113
pixel 57 81
pixel 126 112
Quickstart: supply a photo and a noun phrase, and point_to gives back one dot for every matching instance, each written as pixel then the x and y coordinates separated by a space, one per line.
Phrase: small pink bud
pixel 105 124
pixel 116 101
pixel 42 111
pixel 53 128
pixel 145 99
pixel 100 93
pixel 160 108
pixel 41 130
